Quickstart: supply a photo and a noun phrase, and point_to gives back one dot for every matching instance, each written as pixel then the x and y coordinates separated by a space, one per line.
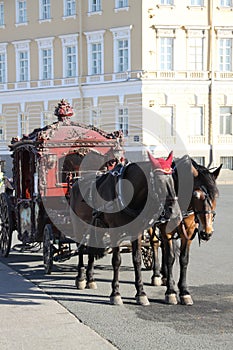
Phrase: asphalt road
pixel 208 324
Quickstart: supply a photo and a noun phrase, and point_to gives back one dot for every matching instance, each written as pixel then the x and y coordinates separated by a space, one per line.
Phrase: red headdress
pixel 165 165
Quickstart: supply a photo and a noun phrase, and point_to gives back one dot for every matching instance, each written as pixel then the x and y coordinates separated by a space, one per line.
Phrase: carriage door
pixel 26 162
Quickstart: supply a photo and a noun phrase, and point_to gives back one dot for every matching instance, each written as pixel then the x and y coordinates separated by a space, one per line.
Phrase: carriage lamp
pixel 51 161
pixel 35 193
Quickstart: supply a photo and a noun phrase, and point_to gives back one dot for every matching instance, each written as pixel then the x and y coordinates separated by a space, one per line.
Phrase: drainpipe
pixel 80 57
pixel 211 68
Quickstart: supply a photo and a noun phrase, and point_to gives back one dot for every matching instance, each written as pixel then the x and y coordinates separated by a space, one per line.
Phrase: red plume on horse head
pixel 165 165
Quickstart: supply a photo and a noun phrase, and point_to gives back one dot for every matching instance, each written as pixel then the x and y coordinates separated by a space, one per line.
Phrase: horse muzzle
pixel 205 236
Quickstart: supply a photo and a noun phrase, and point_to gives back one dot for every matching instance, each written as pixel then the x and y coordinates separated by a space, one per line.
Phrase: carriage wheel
pixel 6 225
pixel 48 248
pixel 147 257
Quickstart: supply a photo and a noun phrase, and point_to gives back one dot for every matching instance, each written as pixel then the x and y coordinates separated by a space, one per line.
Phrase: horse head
pixel 204 197
pixel 163 170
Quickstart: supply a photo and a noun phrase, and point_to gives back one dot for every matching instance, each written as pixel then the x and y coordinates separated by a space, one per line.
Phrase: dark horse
pixel 198 218
pixel 122 203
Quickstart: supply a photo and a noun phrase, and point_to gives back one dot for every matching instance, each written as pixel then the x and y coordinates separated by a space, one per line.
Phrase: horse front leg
pixel 185 297
pixel 141 297
pixel 154 243
pixel 80 280
pixel 170 294
pixel 115 297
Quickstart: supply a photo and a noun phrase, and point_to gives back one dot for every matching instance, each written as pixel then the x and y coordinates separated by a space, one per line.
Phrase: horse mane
pixel 207 179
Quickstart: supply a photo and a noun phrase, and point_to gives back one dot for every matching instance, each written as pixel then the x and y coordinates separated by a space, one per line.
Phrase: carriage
pixel 45 164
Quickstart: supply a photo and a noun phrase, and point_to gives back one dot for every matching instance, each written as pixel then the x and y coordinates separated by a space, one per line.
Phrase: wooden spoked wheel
pixel 147 257
pixel 6 225
pixel 48 248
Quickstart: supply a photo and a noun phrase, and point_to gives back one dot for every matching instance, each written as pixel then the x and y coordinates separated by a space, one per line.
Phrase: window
pixel 195 54
pixel 199 160
pixel 197 2
pixel 70 62
pixel 45 9
pixel 96 58
pixel 226 120
pixel 168 116
pixel 95 117
pixel 23 124
pixel 227 162
pixel 122 52
pixel 21 11
pixel 166 2
pixel 23 66
pixel 122 120
pixel 123 55
pixel 95 6
pixel 166 53
pixel 2 67
pixel 225 55
pixel 121 3
pixel 226 3
pixel 196 121
pixel 47 64
pixel 69 8
pixel 47 118
pixel 1 14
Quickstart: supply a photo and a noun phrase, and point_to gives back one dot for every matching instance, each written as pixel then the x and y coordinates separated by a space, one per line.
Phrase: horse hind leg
pixel 156 277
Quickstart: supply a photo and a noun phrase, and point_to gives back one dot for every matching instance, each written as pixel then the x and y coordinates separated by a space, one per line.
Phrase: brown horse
pixel 119 204
pixel 197 219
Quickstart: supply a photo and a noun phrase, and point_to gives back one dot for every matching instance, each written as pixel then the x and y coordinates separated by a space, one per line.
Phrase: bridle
pixel 206 200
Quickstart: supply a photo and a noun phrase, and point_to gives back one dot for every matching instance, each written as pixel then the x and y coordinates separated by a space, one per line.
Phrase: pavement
pixel 31 319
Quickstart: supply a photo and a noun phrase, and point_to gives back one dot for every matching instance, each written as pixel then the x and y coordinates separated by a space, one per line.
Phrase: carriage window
pixel 69 166
pixel 25 170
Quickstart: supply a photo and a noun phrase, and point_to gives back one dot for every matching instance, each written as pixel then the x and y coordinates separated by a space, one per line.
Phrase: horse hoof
pixel 142 300
pixel 116 300
pixel 186 299
pixel 156 281
pixel 80 284
pixel 171 299
pixel 91 285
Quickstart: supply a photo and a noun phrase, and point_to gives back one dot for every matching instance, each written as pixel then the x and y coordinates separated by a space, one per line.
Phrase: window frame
pixel 72 8
pixel 3 134
pixel 42 10
pixel 197 127
pixel 96 37
pixel 45 44
pixel 119 34
pixel 95 6
pixel 164 64
pixel 225 5
pixel 3 51
pixel 223 121
pixel 69 41
pixel 223 57
pixel 21 19
pixel 23 124
pixel 2 15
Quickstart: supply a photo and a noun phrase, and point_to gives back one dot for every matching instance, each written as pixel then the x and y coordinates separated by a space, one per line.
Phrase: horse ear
pixel 217 171
pixel 194 171
pixel 169 159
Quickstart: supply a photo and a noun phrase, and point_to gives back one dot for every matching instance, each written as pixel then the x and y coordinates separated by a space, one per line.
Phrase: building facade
pixel 160 70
